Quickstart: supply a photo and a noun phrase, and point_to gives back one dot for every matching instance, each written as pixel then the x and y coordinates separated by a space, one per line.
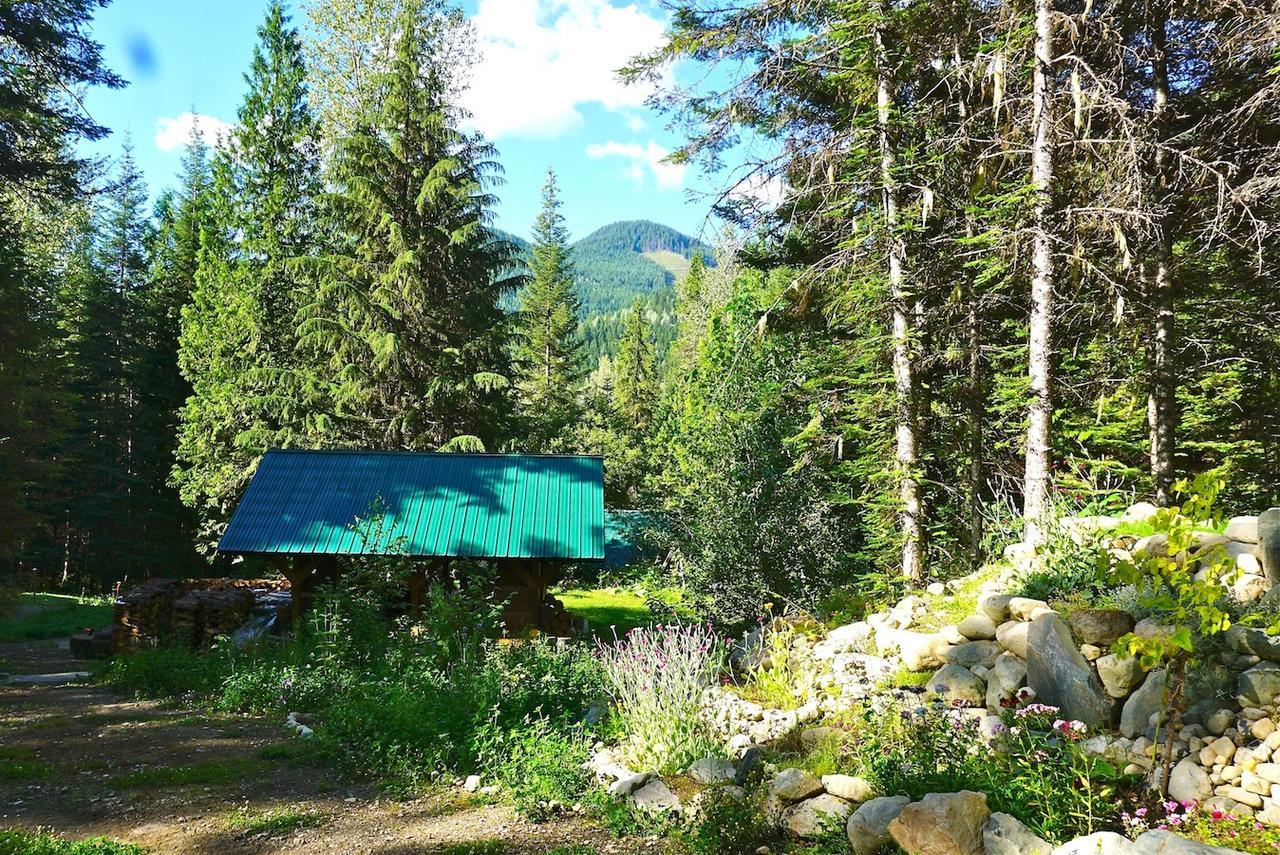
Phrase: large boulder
pixel 656 797
pixel 1004 835
pixel 1100 626
pixel 1026 608
pixel 712 771
pixel 1062 677
pixel 995 606
pixel 1168 843
pixel 1260 685
pixel 1189 782
pixel 848 787
pixel 1142 704
pixel 868 827
pixel 814 817
pixel 1243 529
pixel 957 686
pixel 849 638
pixel 1269 544
pixel 1255 642
pixel 1119 675
pixel 977 627
pixel 942 824
pixel 1098 843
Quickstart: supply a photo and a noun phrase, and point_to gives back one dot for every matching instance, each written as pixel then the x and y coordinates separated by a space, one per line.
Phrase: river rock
pixel 1062 677
pixel 792 785
pixel 1245 639
pixel 972 654
pixel 1098 843
pixel 1004 835
pixel 977 627
pixel 1006 677
pixel 942 824
pixel 1139 512
pixel 1168 843
pixel 1189 782
pixel 1119 675
pixel 1269 544
pixel 868 826
pixel 1243 529
pixel 1012 636
pixel 1100 626
pixel 712 770
pixel 957 686
pixel 1026 608
pixel 1142 704
pixel 812 817
pixel 919 651
pixel 655 796
pixel 1260 685
pixel 848 787
pixel 995 606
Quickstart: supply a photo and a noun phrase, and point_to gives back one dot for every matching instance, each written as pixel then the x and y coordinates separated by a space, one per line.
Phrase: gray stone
pixel 712 770
pixel 1062 677
pixel 1119 676
pixel 1142 704
pixel 957 686
pixel 1218 721
pixel 1244 639
pixel 628 784
pixel 655 796
pixel 1012 636
pixel 1025 608
pixel 978 627
pixel 1259 685
pixel 973 654
pixel 851 637
pixel 1004 835
pixel 919 651
pixel 995 606
pixel 868 826
pixel 792 785
pixel 812 817
pixel 1243 529
pixel 1099 626
pixel 942 824
pixel 750 766
pixel 1188 782
pixel 1168 843
pixel 1005 678
pixel 1269 544
pixel 59 679
pixel 848 787
pixel 1098 843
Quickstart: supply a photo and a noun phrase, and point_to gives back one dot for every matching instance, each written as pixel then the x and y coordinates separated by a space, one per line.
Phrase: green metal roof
pixel 446 505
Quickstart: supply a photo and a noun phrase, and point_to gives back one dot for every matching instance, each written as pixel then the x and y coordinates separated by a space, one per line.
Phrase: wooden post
pixel 297 570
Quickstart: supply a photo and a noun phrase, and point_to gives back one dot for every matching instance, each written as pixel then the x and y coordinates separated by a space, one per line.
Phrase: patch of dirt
pixel 82 761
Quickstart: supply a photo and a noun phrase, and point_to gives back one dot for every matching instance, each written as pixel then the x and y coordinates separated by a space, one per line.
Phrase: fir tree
pixel 547 349
pixel 634 383
pixel 406 326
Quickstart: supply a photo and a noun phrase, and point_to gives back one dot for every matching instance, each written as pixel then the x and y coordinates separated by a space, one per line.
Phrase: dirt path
pixel 82 761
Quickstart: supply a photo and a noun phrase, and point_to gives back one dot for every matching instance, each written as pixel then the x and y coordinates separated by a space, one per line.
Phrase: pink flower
pixel 1217 814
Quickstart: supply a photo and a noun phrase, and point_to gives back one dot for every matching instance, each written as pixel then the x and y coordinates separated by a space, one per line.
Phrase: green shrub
pixel 168 672
pixel 783 678
pixel 544 765
pixel 27 843
pixel 731 826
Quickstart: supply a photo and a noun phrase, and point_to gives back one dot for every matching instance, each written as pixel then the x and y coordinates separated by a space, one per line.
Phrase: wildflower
pixel 1216 815
pixel 1143 812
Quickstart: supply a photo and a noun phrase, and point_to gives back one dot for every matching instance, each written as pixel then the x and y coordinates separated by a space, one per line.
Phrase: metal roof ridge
pixel 405 451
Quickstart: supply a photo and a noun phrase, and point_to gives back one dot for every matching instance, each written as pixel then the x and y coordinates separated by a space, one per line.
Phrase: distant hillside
pixel 619 262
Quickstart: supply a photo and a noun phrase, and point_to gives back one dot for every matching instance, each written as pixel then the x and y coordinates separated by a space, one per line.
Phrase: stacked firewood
pixel 555 621
pixel 202 615
pixel 145 611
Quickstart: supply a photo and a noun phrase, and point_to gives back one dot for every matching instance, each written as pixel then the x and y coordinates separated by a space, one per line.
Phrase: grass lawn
pixel 35 616
pixel 26 843
pixel 613 609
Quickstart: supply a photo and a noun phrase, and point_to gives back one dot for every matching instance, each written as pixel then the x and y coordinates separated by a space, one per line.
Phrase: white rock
pixel 812 817
pixel 1139 512
pixel 471 784
pixel 1189 782
pixel 1243 529
pixel 847 787
pixel 1099 843
pixel 1005 835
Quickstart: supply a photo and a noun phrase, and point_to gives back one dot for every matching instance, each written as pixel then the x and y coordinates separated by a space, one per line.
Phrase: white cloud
pixel 543 59
pixel 635 124
pixel 175 131
pixel 641 157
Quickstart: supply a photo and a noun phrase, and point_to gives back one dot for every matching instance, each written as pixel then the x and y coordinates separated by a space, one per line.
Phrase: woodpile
pixel 200 616
pixel 145 611
pixel 557 622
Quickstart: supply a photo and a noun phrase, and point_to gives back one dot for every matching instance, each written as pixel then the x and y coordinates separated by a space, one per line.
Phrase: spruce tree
pixel 635 388
pixel 250 389
pixel 547 348
pixel 406 325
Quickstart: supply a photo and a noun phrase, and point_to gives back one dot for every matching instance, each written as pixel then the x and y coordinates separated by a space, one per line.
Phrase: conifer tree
pixel 405 324
pixel 635 388
pixel 547 347
pixel 250 389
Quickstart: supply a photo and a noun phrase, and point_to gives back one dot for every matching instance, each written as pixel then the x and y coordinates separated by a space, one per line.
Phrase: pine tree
pixel 406 325
pixel 635 388
pixel 238 346
pixel 547 346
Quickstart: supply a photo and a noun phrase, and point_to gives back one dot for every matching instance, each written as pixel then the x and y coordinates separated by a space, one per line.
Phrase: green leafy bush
pixel 168 671
pixel 729 825
pixel 544 765
pixel 27 843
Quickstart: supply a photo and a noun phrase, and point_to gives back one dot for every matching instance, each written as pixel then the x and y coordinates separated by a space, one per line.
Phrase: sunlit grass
pixel 33 616
pixel 26 843
pixel 275 823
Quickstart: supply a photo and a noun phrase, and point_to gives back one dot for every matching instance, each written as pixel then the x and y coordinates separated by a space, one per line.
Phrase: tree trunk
pixel 977 397
pixel 1161 400
pixel 903 363
pixel 1038 477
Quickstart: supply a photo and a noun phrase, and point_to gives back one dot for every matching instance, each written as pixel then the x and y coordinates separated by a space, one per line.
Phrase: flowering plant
pixel 1215 827
pixel 657 676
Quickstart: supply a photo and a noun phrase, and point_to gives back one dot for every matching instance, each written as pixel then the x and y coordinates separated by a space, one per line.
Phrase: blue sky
pixel 544 92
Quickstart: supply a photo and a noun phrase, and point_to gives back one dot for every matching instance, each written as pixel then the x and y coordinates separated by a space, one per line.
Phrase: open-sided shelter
pixel 529 514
